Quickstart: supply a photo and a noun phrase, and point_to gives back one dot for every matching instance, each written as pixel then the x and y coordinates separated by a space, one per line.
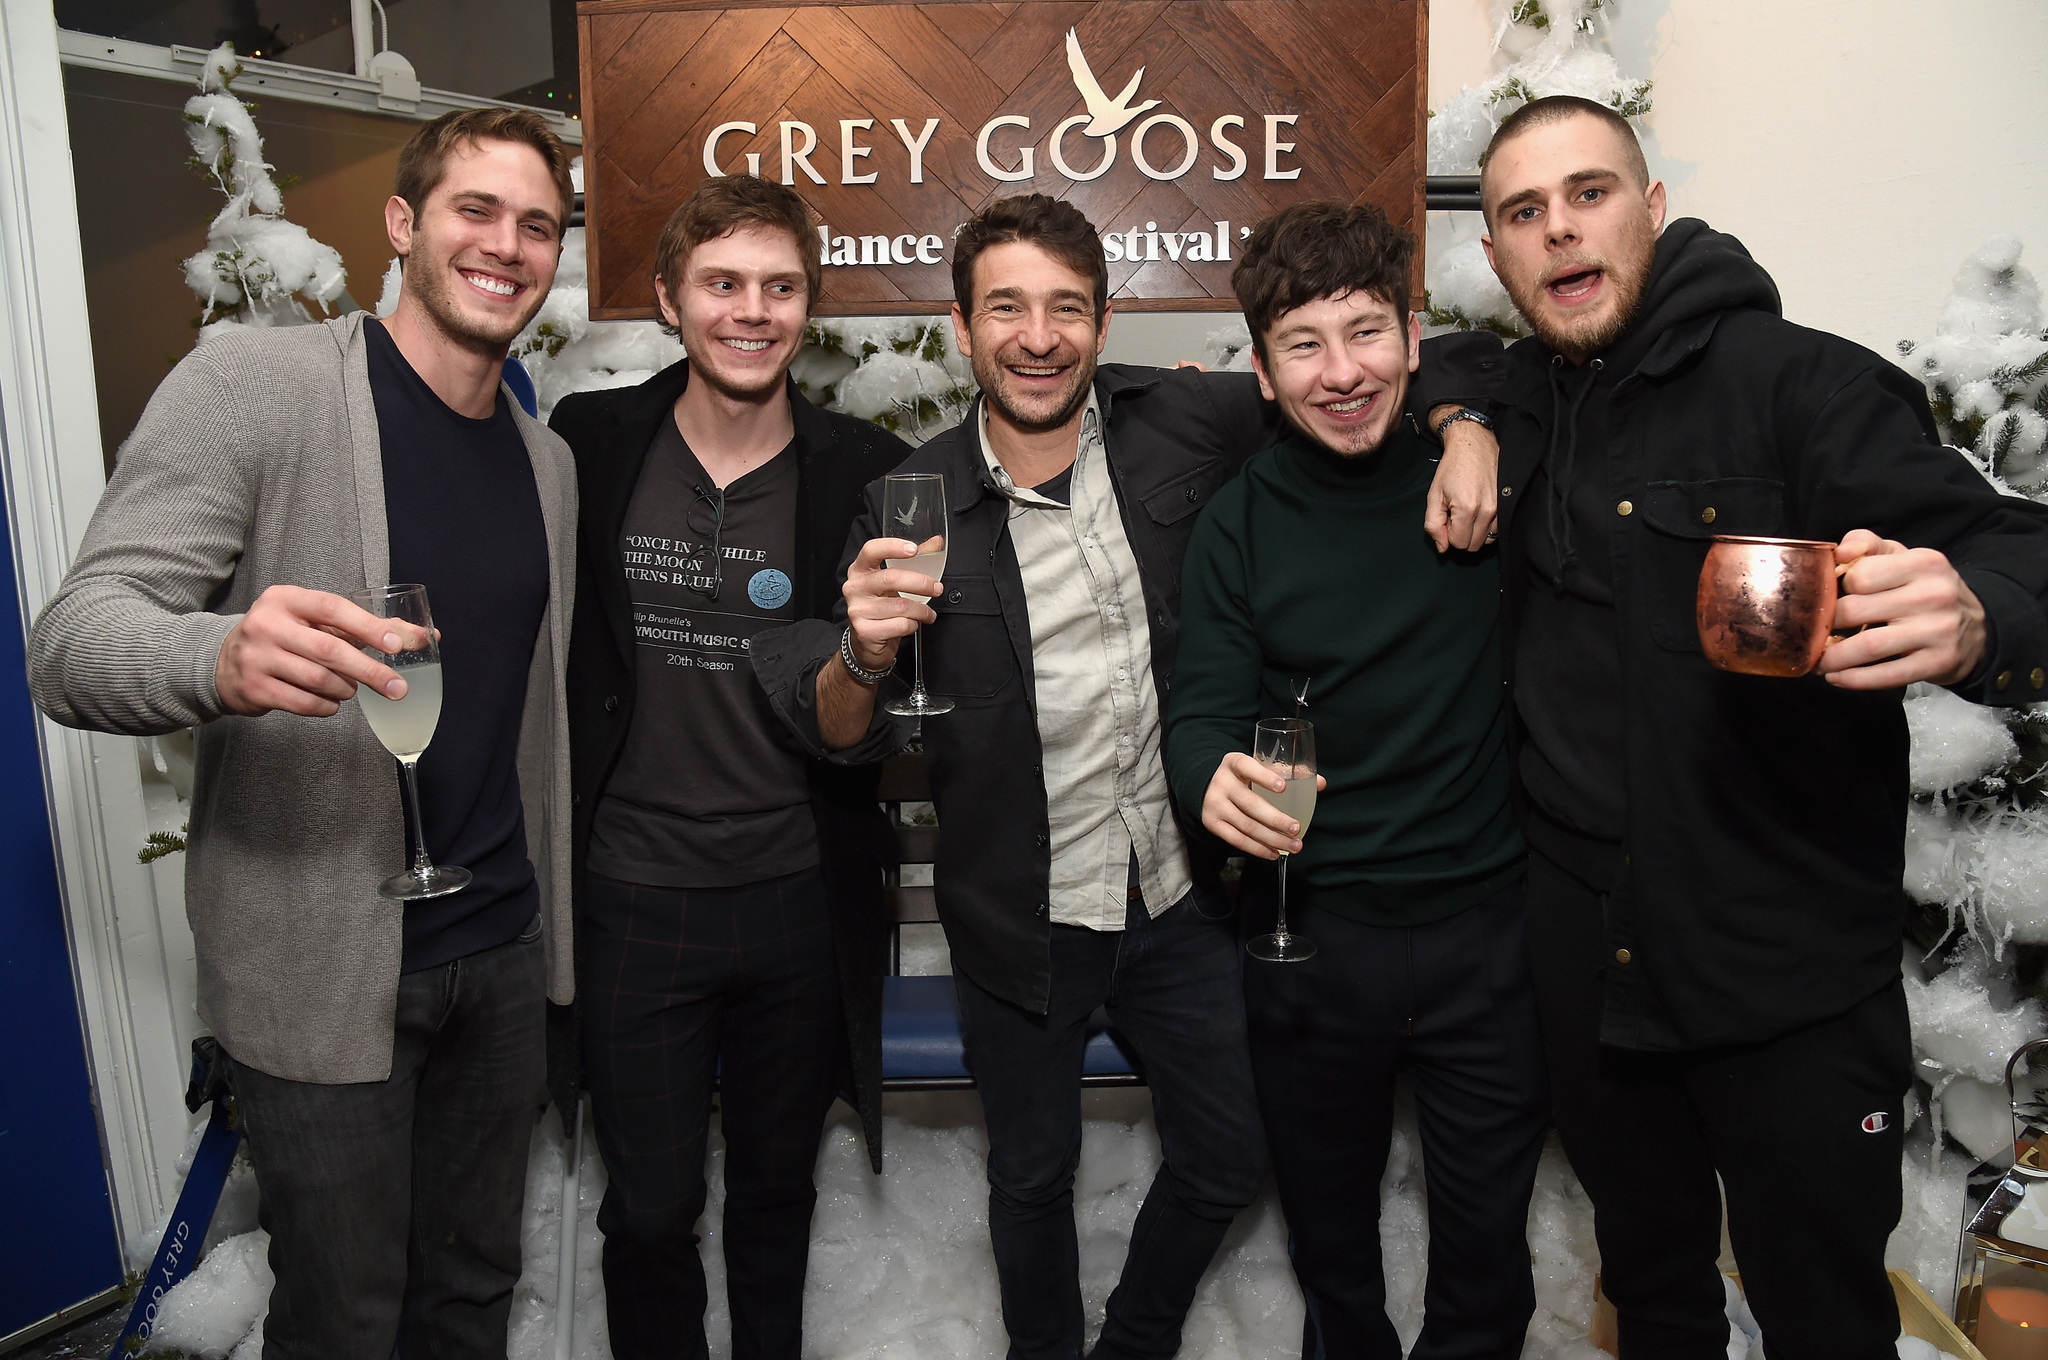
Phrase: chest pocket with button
pixel 968 655
pixel 1683 518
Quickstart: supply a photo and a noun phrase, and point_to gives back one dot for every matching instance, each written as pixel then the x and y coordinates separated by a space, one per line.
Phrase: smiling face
pixel 740 307
pixel 1033 337
pixel 480 254
pixel 1338 367
pixel 1573 231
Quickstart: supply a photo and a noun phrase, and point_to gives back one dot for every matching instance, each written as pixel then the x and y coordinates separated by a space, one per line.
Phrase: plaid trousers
pixel 681 985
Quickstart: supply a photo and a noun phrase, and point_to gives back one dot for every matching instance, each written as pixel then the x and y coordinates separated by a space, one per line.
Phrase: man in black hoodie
pixel 1715 908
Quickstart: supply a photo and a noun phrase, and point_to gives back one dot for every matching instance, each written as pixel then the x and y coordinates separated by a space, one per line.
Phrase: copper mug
pixel 1766 605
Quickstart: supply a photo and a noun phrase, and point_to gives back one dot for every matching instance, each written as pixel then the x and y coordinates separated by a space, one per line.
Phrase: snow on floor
pixel 901 1267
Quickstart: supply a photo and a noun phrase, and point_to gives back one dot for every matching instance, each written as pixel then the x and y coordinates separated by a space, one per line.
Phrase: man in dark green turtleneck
pixel 1308 569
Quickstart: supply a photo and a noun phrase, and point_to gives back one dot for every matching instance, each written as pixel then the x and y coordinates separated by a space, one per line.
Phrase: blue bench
pixel 921 1046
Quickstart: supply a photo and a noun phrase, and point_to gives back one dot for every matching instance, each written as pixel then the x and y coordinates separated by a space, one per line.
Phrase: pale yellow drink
pixel 932 564
pixel 1297 800
pixel 405 726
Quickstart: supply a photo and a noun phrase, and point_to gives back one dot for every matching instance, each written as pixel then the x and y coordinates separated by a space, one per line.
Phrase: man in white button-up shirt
pixel 1064 882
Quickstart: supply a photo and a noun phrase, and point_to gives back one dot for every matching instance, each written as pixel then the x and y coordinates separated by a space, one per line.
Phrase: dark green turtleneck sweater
pixel 1311 565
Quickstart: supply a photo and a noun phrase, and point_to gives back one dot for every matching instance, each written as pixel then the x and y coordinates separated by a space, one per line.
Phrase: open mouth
pixel 491 284
pixel 1037 372
pixel 1351 408
pixel 746 346
pixel 1577 287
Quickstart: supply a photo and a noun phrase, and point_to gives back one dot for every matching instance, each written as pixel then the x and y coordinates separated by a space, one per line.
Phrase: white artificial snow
pixel 254 260
pixel 211 1311
pixel 1977 1115
pixel 1530 62
pixel 1955 742
pixel 387 296
pixel 1464 282
pixel 1961 1027
pixel 1228 348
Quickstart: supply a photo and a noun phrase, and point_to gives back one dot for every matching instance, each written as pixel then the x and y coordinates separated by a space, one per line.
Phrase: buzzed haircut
pixel 725 204
pixel 423 160
pixel 1320 249
pixel 1058 228
pixel 1555 109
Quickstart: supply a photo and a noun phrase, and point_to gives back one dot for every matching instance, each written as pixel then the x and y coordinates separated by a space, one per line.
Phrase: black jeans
pixel 1448 1004
pixel 1812 1196
pixel 393 1206
pixel 1172 989
pixel 681 986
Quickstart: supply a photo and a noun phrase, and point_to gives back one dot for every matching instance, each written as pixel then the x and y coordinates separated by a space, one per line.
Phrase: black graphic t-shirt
pixel 710 790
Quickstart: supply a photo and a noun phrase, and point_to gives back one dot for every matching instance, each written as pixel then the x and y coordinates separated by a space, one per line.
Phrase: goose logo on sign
pixel 1106 116
pixel 1876 1122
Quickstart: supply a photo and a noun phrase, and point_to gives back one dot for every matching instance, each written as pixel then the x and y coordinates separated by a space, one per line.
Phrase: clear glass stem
pixel 917 665
pixel 1281 928
pixel 422 867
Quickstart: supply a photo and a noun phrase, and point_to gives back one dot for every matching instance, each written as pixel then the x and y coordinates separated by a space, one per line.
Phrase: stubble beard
pixel 436 297
pixel 701 370
pixel 991 374
pixel 1581 338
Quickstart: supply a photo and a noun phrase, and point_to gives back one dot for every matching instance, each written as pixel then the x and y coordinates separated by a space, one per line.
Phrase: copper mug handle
pixel 1766 605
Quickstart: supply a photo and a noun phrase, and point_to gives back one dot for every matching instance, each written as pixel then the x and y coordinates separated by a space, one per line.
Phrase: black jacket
pixel 1765 818
pixel 836 456
pixel 1173 437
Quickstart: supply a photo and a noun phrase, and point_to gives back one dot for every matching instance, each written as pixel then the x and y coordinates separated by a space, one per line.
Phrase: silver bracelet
pixel 859 672
pixel 1478 418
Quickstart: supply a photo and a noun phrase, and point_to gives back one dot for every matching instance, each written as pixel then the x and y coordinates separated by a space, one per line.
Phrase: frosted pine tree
pixel 255 266
pixel 1541 48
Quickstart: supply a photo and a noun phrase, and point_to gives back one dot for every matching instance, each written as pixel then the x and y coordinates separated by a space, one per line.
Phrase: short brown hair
pixel 1557 108
pixel 1320 249
pixel 1058 228
pixel 423 161
pixel 725 204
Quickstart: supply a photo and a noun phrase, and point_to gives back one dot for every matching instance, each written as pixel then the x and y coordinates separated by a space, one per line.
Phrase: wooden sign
pixel 1175 125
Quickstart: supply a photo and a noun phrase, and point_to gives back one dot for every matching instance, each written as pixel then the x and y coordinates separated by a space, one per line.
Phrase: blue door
pixel 57 1240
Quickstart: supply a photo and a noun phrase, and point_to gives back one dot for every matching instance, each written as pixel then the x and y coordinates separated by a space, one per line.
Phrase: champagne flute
pixel 914 506
pixel 405 726
pixel 1287 747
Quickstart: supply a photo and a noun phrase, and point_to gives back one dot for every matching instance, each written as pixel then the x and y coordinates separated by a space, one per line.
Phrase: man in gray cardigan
pixel 387 1057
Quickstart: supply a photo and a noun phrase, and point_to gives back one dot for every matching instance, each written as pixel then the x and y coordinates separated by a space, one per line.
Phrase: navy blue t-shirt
pixel 464 520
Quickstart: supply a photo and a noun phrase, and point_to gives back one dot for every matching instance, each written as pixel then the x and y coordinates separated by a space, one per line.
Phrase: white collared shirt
pixel 1098 710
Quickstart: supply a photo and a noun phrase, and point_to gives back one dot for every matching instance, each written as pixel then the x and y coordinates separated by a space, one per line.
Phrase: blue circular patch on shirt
pixel 769 589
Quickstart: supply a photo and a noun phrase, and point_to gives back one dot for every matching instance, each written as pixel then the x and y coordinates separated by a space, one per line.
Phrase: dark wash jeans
pixel 1448 1005
pixel 1647 1133
pixel 1173 992
pixel 393 1207
pixel 678 982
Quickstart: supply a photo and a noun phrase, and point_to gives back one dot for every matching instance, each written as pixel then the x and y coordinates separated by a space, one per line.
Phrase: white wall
pixel 1859 148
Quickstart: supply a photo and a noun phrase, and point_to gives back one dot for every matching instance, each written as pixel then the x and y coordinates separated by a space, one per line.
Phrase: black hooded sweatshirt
pixel 1748 831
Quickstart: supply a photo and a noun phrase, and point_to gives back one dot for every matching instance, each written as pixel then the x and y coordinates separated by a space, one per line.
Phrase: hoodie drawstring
pixel 1564 443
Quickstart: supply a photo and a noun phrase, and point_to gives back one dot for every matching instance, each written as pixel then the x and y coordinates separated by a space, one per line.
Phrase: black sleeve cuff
pixel 2015 669
pixel 1461 369
pixel 787 661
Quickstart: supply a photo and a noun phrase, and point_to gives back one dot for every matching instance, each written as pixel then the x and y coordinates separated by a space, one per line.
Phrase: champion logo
pixel 1876 1122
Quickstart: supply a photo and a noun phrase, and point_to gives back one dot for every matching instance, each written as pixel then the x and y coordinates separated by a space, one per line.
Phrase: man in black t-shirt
pixel 728 886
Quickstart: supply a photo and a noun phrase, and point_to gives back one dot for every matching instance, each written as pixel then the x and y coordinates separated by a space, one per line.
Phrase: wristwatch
pixel 1479 418
pixel 852 663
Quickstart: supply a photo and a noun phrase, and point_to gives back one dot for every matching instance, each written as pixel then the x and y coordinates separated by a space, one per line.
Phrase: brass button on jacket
pixel 1707 515
pixel 2004 679
pixel 2037 677
pixel 1624 508
pixel 1622 956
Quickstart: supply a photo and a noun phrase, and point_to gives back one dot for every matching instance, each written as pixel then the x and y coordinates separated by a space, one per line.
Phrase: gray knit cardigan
pixel 257 463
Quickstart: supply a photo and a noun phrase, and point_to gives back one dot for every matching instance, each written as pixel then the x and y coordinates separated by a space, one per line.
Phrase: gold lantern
pixel 2002 1264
